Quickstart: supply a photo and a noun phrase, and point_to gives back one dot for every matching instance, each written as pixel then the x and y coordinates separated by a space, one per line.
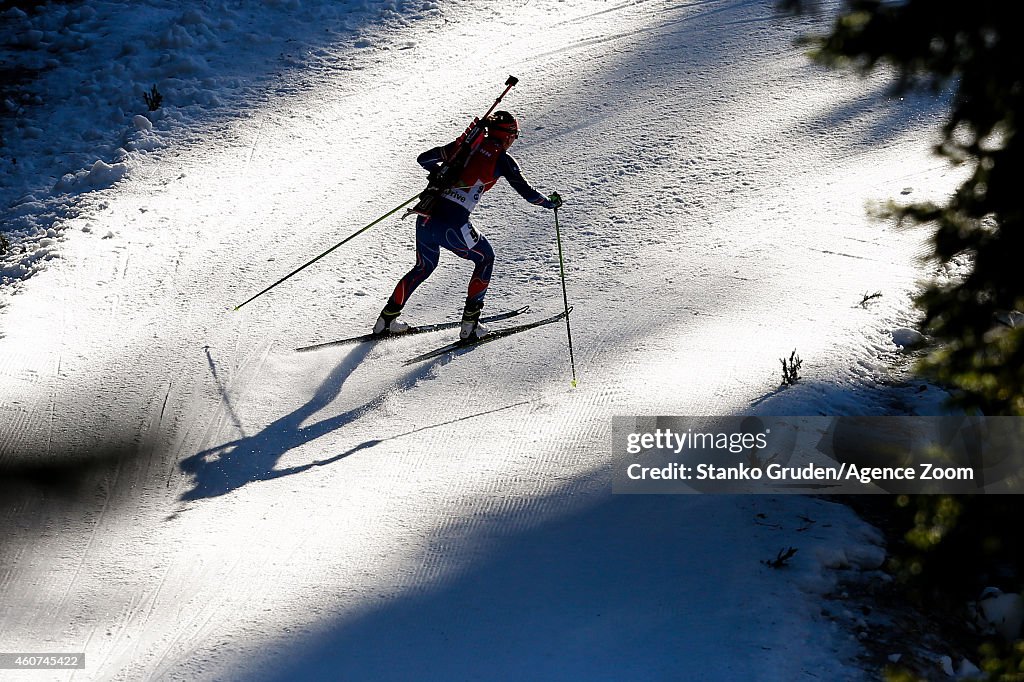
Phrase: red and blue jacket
pixel 485 167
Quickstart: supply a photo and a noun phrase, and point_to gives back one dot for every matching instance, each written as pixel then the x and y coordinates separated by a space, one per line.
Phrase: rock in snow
pixel 907 338
pixel 1004 612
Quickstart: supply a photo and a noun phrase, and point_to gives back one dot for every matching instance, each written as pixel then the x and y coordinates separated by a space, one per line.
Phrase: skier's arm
pixel 508 168
pixel 431 159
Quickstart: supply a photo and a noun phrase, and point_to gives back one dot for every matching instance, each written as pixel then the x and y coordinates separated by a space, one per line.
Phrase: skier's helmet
pixel 503 127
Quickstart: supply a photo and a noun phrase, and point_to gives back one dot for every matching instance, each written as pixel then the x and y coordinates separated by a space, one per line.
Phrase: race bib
pixel 469 235
pixel 468 197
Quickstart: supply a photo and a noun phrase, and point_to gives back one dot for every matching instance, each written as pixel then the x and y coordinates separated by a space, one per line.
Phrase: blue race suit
pixel 449 225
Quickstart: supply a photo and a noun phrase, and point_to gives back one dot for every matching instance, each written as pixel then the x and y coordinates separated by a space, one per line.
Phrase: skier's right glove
pixel 554 200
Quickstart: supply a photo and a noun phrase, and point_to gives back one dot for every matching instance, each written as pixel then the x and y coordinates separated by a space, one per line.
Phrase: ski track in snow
pixel 274 514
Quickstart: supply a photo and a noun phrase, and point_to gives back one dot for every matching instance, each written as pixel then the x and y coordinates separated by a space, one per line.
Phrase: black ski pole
pixel 565 297
pixel 346 239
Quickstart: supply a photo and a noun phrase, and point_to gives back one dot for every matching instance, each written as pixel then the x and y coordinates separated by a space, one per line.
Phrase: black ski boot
pixel 388 323
pixel 471 327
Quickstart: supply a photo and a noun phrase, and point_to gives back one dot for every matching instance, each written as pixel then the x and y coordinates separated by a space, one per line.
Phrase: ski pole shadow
pixel 225 468
pixel 222 390
pixel 222 469
pixel 377 441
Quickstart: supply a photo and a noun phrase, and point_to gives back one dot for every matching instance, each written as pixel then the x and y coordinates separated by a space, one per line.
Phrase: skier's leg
pixel 427 255
pixel 483 255
pixel 467 243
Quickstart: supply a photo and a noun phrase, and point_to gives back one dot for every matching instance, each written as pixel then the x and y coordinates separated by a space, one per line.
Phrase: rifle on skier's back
pixel 448 174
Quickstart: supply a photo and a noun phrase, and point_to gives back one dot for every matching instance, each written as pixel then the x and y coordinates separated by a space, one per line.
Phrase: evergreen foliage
pixel 955 546
pixel 791 369
pixel 974 48
pixel 153 98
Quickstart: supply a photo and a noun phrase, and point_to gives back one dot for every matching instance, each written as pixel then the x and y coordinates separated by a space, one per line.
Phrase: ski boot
pixel 387 322
pixel 471 327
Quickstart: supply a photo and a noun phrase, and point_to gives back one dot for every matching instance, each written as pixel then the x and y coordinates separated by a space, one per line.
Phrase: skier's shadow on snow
pixel 222 469
pixel 225 468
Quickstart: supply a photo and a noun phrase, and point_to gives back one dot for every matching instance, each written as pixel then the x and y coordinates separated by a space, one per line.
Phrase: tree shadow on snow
pixel 845 399
pixel 625 587
pixel 878 117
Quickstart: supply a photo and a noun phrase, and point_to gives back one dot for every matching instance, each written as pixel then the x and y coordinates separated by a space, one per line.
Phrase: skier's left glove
pixel 553 201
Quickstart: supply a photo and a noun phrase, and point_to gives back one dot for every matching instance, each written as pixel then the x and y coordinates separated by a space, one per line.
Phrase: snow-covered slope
pixel 243 511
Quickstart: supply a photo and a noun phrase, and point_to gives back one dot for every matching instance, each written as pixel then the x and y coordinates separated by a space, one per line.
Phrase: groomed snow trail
pixel 271 513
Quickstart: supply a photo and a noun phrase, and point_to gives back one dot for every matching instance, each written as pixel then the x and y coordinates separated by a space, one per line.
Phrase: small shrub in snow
pixel 153 98
pixel 4 245
pixel 791 369
pixel 782 558
pixel 868 298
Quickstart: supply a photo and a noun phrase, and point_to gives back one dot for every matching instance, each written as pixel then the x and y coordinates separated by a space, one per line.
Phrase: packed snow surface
pixel 235 510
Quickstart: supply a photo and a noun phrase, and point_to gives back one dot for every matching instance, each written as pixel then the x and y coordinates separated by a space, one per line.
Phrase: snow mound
pixel 861 557
pixel 1013 318
pixel 1002 612
pixel 99 176
pixel 907 338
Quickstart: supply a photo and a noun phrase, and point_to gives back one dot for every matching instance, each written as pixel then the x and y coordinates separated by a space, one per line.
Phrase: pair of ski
pixel 458 345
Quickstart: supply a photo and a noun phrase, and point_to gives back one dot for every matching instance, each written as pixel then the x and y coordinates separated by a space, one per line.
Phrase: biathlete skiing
pixel 458 175
pixel 443 216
